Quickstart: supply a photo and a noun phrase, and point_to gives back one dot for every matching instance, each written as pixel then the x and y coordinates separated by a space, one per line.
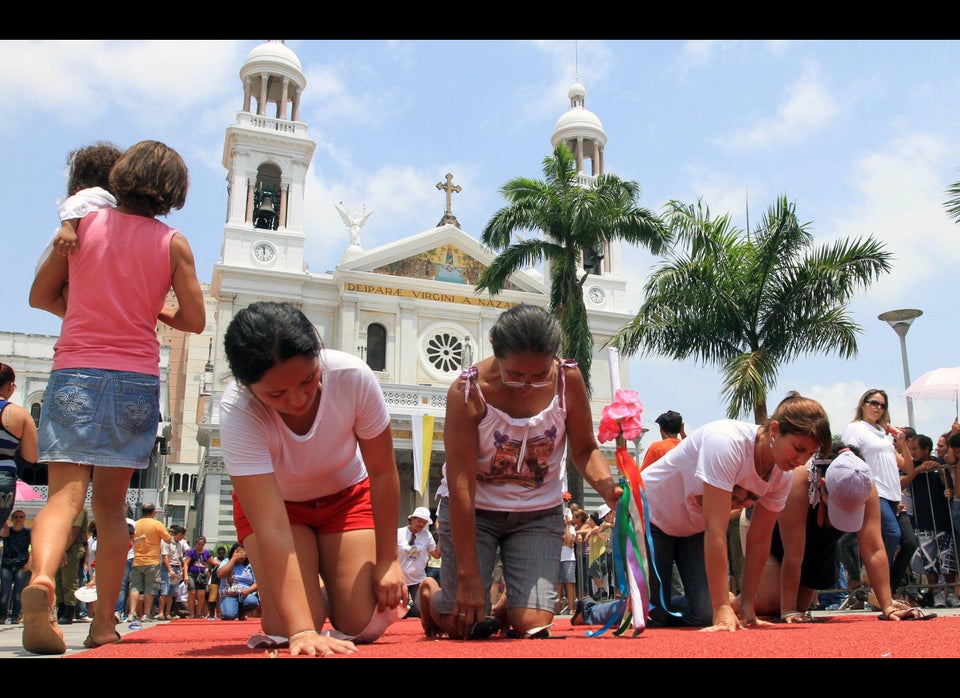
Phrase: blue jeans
pixel 598 613
pixel 889 528
pixel 695 606
pixel 908 546
pixel 12 582
pixel 124 586
pixel 230 605
pixel 529 543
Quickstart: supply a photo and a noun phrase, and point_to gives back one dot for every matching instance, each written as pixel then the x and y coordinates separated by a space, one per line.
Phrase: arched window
pixel 377 347
pixel 266 197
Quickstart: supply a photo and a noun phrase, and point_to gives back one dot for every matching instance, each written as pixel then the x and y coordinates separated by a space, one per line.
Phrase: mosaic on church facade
pixel 444 263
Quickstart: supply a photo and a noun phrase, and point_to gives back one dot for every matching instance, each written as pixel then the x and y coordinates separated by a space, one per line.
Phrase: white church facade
pixel 408 308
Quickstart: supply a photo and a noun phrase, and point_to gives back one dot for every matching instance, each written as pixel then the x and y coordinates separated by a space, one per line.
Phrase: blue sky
pixel 862 136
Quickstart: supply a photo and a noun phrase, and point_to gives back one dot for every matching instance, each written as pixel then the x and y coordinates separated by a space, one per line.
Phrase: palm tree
pixel 574 220
pixel 953 203
pixel 748 304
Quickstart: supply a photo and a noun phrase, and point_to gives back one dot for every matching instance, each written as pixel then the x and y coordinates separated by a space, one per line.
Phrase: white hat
pixel 603 510
pixel 849 484
pixel 421 513
pixel 86 594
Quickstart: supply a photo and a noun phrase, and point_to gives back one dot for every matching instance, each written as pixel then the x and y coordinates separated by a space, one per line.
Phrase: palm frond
pixel 748 303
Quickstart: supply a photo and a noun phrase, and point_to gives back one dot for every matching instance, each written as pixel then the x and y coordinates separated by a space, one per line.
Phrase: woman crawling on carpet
pixel 723 465
pixel 828 497
pixel 508 419
pixel 306 440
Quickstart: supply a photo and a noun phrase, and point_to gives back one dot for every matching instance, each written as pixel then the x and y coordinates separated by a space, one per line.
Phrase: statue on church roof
pixel 354 223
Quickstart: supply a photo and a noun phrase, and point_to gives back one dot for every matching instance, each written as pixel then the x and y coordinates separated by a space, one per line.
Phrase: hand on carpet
pixel 725 619
pixel 313 644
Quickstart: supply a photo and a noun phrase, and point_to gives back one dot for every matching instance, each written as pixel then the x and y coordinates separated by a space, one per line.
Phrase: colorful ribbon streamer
pixel 629 550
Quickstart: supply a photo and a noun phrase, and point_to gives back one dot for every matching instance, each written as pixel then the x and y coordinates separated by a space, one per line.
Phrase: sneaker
pixel 151 619
pixel 953 601
pixel 8 621
pixel 135 624
pixel 940 600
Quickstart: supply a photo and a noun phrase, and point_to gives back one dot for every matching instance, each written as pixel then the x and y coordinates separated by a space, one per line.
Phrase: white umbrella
pixel 942 383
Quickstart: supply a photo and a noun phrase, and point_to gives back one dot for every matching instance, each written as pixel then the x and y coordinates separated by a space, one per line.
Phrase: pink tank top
pixel 119 279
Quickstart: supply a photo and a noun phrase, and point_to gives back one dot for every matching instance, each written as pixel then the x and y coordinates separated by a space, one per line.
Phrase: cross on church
pixel 449 187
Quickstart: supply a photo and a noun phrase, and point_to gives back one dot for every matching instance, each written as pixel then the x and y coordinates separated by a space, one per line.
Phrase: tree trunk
pixel 574 482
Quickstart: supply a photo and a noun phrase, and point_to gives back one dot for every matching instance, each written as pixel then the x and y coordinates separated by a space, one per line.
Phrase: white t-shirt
pixel 78 206
pixel 413 558
pixel 130 550
pixel 876 447
pixel 326 459
pixel 721 454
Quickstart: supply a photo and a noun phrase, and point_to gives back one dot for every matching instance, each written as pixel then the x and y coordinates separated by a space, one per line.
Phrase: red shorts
pixel 349 509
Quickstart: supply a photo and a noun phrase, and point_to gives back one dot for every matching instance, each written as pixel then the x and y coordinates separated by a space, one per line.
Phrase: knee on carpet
pixel 374 629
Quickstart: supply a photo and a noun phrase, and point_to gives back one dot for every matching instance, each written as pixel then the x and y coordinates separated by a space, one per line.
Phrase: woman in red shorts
pixel 306 440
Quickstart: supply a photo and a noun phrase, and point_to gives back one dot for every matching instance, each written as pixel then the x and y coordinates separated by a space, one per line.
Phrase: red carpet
pixel 844 636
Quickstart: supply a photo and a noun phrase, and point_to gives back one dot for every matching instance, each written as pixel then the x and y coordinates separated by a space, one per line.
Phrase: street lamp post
pixel 900 321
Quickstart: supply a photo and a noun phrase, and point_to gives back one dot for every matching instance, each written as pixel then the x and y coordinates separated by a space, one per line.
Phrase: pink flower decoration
pixel 621 419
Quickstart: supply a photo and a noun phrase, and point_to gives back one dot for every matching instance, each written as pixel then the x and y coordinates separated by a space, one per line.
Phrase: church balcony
pixel 294 128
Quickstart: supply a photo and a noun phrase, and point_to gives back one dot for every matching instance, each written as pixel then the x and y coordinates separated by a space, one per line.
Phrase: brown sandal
pixel 93 644
pixel 40 632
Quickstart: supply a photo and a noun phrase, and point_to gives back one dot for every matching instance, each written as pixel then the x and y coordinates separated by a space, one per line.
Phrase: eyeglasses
pixel 524 384
pixel 413 539
pixel 19 517
pixel 875 403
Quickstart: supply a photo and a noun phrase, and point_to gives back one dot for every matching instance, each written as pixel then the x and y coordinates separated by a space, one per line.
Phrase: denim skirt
pixel 99 417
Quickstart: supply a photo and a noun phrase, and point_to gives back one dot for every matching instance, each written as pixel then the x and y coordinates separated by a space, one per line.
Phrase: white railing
pixel 272 124
pixel 426 396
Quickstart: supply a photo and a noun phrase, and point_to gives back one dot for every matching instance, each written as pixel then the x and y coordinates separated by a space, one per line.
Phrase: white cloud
pixel 902 187
pixel 153 82
pixel 570 61
pixel 807 107
pixel 694 54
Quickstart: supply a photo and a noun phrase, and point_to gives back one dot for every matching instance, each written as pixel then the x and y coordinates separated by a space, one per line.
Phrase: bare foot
pixel 735 603
pixel 500 611
pixel 428 587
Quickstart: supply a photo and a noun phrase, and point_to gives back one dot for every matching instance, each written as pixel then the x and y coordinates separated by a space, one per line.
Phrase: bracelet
pixel 302 632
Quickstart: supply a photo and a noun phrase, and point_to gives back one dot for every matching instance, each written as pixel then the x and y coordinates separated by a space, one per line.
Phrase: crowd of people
pixel 797 497
pixel 746 521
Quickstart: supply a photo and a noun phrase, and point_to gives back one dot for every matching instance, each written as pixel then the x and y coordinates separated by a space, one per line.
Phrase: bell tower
pixel 267 154
pixel 581 130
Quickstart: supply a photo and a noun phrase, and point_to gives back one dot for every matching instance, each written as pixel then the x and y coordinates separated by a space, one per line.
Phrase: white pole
pixel 613 357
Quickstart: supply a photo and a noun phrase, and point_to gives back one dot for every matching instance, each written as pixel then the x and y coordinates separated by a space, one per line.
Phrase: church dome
pixel 578 121
pixel 274 52
pixel 273 58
